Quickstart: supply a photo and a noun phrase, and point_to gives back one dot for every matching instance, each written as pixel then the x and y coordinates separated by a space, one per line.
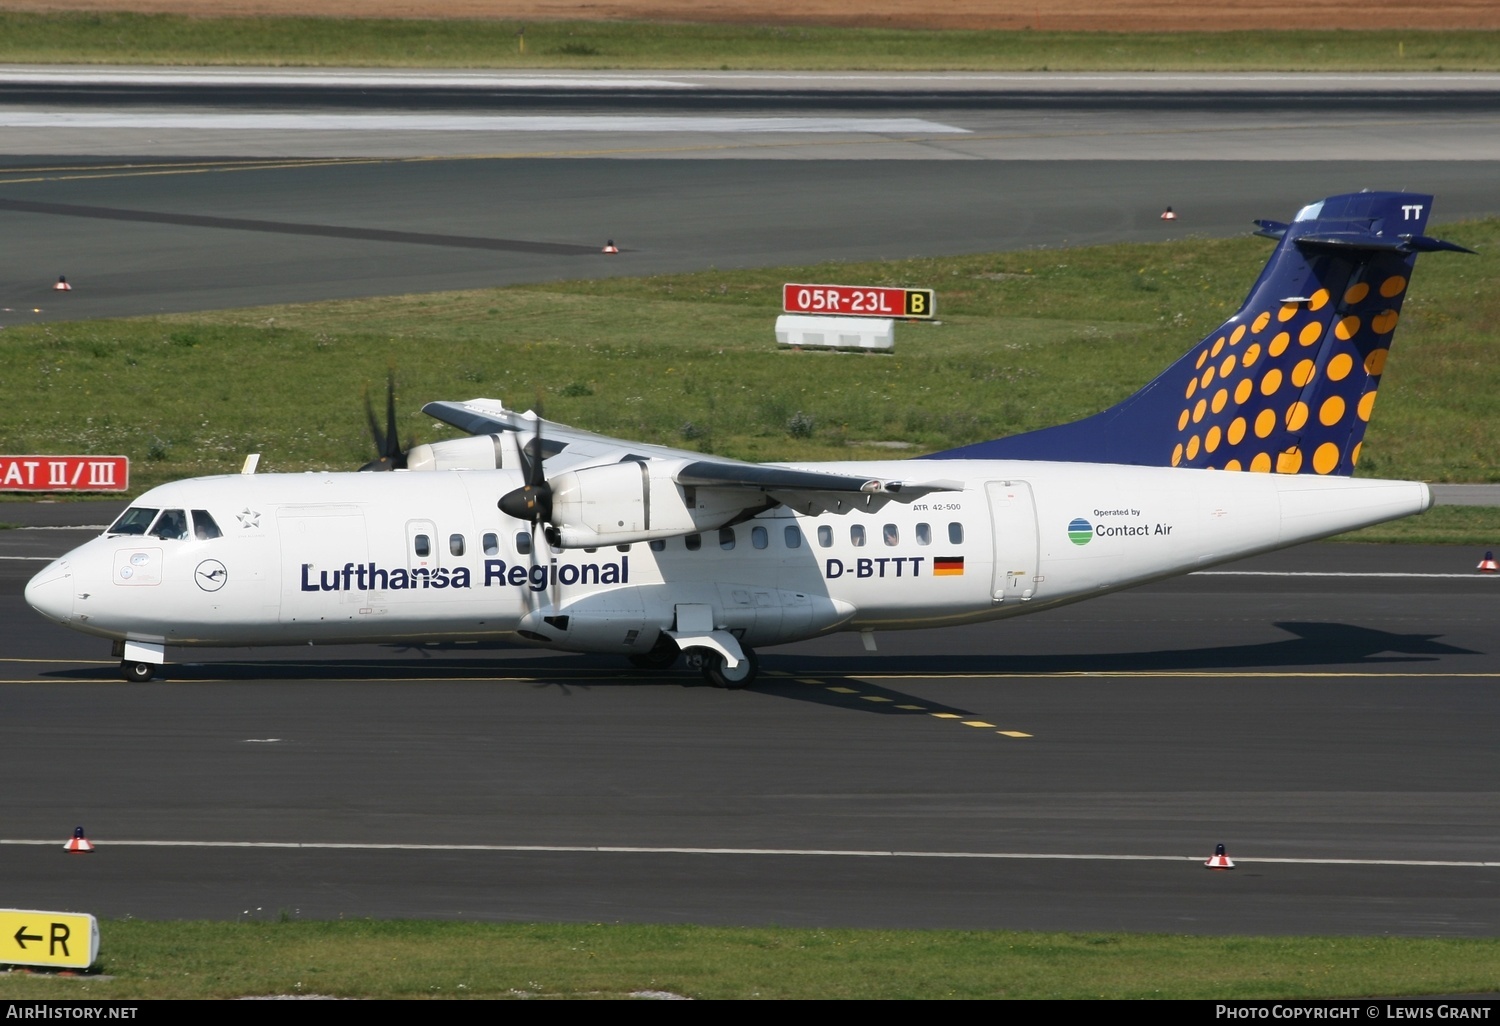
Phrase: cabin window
pixel 491 544
pixel 759 538
pixel 694 542
pixel 456 544
pixel 793 537
pixel 658 545
pixel 134 520
pixel 422 545
pixel 825 535
pixel 523 542
pixel 924 534
pixel 204 528
pixel 956 533
pixel 891 534
pixel 171 525
pixel 622 548
pixel 857 535
pixel 726 538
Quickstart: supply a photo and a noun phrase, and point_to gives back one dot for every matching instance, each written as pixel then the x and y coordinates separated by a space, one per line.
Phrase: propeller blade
pixel 375 431
pixel 392 436
pixel 388 442
pixel 538 454
pixel 532 501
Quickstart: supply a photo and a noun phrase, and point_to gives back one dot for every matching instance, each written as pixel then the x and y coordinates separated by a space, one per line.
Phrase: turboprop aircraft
pixel 574 541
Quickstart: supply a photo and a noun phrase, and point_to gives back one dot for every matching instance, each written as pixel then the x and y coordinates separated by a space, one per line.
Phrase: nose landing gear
pixel 139 660
pixel 137 673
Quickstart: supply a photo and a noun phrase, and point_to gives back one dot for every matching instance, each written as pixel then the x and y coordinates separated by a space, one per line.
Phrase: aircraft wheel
pixel 661 656
pixel 717 674
pixel 136 672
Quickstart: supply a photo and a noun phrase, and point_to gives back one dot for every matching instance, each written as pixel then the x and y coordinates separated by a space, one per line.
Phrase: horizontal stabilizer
pixel 1374 242
pixel 1424 244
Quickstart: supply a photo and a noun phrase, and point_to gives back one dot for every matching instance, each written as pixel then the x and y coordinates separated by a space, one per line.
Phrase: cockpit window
pixel 204 527
pixel 171 525
pixel 134 520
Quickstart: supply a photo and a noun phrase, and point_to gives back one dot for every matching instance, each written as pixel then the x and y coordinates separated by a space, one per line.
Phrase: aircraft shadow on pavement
pixel 1314 645
pixel 838 678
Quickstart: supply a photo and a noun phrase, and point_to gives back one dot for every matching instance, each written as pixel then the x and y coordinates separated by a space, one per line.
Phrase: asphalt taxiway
pixel 1326 712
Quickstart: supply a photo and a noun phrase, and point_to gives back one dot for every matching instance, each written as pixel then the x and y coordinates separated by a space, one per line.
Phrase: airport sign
pixel 858 300
pixel 58 940
pixel 64 473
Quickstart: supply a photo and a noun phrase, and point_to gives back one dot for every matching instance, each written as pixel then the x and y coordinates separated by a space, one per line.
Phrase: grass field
pixel 1026 340
pixel 497 960
pixel 93 38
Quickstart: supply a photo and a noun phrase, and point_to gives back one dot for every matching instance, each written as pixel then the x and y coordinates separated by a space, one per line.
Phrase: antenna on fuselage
pixel 252 460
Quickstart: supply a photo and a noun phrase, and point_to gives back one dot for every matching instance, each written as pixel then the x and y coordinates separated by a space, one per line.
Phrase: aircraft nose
pixel 51 592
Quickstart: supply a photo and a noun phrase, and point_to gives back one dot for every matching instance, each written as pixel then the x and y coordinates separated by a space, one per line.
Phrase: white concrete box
pixel 836 332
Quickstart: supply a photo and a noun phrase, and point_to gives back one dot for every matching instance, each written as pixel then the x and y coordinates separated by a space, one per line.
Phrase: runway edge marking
pixel 604 849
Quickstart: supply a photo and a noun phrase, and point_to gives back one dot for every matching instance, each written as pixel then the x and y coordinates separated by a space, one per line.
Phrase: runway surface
pixel 1327 713
pixel 1066 771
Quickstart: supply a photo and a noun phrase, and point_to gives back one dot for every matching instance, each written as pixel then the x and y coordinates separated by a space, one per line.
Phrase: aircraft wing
pixel 570 449
pixel 569 446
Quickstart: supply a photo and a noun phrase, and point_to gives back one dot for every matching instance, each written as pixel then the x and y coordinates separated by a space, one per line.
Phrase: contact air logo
pixel 1080 531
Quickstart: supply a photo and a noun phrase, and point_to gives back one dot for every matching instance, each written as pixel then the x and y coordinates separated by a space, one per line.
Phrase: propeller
pixel 387 442
pixel 532 502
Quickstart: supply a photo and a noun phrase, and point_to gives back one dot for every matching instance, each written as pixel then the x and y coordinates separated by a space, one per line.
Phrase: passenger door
pixel 1017 574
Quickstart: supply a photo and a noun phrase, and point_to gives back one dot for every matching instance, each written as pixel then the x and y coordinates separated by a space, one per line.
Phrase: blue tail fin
pixel 1286 384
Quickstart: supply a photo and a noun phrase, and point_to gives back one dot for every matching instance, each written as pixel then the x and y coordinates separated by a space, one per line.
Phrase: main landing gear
pixel 720 676
pixel 661 656
pixel 709 662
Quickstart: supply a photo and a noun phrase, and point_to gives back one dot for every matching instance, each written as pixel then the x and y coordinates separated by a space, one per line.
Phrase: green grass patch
pixel 109 38
pixel 1441 525
pixel 1026 340
pixel 497 960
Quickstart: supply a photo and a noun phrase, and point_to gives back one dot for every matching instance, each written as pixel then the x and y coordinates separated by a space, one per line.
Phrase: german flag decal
pixel 948 566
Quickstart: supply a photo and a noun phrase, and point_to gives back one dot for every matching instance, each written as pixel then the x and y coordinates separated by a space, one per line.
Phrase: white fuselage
pixel 336 558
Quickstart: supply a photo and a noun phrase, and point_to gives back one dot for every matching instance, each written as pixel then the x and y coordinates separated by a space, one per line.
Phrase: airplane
pixel 534 531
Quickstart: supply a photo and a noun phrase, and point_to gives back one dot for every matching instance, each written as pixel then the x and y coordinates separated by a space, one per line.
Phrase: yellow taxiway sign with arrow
pixel 61 940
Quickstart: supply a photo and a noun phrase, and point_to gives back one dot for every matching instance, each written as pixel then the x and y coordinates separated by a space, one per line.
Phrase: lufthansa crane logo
pixel 210 575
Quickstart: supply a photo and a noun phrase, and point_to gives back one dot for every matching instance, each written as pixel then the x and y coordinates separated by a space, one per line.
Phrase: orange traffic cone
pixel 1487 565
pixel 78 842
pixel 610 247
pixel 62 285
pixel 1168 215
pixel 1219 859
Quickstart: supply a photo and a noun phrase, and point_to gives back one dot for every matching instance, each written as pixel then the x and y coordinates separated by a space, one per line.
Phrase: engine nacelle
pixel 635 501
pixel 477 452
